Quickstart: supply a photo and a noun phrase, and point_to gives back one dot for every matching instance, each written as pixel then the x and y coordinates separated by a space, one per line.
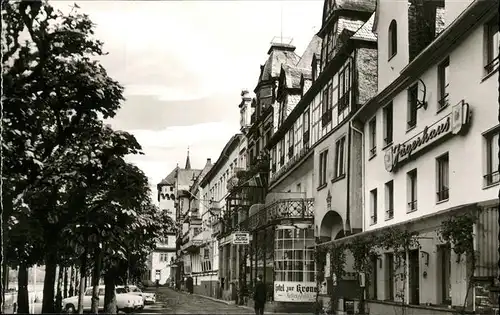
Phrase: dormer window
pixel 393 39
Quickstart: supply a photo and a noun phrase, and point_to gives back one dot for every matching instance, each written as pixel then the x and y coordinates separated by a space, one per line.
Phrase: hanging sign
pixel 288 291
pixel 241 238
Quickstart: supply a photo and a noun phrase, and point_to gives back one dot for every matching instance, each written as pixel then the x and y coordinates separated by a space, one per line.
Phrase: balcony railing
pixel 294 208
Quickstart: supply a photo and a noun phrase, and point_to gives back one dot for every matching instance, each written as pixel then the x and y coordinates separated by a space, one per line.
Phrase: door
pixel 414 277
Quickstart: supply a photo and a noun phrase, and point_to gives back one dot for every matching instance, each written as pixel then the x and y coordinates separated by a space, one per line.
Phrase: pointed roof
pixel 170 179
pixel 188 163
pixel 365 32
pixel 313 48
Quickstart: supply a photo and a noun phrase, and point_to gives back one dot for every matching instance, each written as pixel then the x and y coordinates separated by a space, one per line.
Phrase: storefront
pixel 282 251
pixel 294 264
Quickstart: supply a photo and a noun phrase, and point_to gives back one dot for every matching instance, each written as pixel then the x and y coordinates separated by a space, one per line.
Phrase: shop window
pixel 294 255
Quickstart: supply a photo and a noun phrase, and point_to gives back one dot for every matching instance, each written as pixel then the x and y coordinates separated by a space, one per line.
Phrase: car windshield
pixel 121 290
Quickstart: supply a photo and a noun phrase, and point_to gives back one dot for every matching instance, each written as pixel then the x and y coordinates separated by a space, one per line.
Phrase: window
pixel 389 200
pixel 373 136
pixel 294 254
pixel 305 125
pixel 492 176
pixel 290 142
pixel 443 83
pixel 273 160
pixel 412 190
pixel 344 89
pixel 373 206
pixel 443 175
pixel 412 106
pixel 339 158
pixel 492 43
pixel 388 124
pixel 393 39
pixel 206 253
pixel 281 152
pixel 327 106
pixel 322 167
pixel 444 257
pixel 158 274
pixel 299 189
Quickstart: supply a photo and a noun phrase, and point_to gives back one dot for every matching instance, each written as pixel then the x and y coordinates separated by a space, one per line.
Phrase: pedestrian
pixel 259 296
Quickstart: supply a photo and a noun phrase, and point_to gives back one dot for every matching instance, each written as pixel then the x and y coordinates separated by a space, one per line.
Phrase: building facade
pixel 431 156
pixel 220 252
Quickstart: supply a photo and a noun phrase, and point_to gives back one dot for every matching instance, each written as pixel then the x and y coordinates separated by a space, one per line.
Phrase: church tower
pixel 188 163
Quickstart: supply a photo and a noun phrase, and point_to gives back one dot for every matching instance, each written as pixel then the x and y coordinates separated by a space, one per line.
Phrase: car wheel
pixel 70 309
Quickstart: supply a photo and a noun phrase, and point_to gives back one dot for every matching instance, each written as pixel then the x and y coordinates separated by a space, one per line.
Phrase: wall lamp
pixel 425 256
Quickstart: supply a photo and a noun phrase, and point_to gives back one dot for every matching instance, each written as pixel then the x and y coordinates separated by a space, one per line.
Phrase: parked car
pixel 149 298
pixel 124 301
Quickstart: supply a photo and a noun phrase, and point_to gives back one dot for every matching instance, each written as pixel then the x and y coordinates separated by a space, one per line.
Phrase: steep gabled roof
pixel 170 179
pixel 365 32
pixel 277 56
pixel 292 76
pixel 313 48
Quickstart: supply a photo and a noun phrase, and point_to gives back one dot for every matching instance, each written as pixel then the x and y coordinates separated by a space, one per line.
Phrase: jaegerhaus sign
pixel 451 124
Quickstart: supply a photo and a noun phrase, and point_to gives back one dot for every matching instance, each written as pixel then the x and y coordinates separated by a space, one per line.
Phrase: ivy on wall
pixel 458 231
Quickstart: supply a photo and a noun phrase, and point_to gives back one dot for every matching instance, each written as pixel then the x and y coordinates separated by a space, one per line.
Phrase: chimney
pixel 209 161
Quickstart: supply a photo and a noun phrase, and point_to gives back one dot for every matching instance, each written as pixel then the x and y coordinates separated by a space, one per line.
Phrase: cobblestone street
pixel 169 301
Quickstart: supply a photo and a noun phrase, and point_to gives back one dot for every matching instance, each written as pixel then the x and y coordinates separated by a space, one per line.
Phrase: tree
pixel 53 89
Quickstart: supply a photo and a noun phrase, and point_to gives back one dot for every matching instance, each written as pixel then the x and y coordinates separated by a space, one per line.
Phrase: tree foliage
pixel 67 188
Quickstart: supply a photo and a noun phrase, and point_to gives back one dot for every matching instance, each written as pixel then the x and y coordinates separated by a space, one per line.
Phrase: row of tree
pixel 69 196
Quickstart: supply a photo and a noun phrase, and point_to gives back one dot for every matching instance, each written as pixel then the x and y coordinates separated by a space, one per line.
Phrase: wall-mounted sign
pixel 197 242
pixel 241 238
pixel 451 124
pixel 288 291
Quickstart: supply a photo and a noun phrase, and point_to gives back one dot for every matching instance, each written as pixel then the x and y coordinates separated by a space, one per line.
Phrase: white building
pixel 430 151
pixel 214 188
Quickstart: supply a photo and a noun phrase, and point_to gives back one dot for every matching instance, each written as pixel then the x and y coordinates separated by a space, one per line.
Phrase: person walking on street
pixel 259 296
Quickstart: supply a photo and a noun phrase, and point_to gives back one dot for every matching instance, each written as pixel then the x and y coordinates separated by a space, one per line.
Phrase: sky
pixel 183 65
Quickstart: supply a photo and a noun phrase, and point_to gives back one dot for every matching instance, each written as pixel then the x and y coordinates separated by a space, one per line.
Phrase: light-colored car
pixel 149 298
pixel 124 301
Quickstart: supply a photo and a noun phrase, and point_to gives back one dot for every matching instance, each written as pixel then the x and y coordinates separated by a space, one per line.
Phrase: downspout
pixel 362 172
pixel 353 98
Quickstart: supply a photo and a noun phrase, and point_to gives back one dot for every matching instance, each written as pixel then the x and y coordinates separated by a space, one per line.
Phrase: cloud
pixel 165 148
pixel 165 93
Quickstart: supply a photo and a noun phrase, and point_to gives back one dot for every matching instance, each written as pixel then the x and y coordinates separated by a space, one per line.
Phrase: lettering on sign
pixel 241 238
pixel 288 291
pixel 451 124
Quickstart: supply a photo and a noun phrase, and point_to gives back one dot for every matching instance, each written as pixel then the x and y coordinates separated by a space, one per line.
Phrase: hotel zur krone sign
pixel 451 124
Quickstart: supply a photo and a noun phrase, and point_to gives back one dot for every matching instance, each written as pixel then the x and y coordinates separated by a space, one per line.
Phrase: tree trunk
pixel 23 304
pixel 59 289
pixel 65 287
pixel 83 281
pixel 109 295
pixel 72 281
pixel 95 280
pixel 49 282
pixel 5 282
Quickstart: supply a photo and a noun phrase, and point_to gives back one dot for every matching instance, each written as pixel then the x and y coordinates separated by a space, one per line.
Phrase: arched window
pixel 393 39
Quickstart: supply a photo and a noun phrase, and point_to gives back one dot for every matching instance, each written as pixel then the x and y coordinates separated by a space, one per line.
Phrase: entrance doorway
pixel 414 277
